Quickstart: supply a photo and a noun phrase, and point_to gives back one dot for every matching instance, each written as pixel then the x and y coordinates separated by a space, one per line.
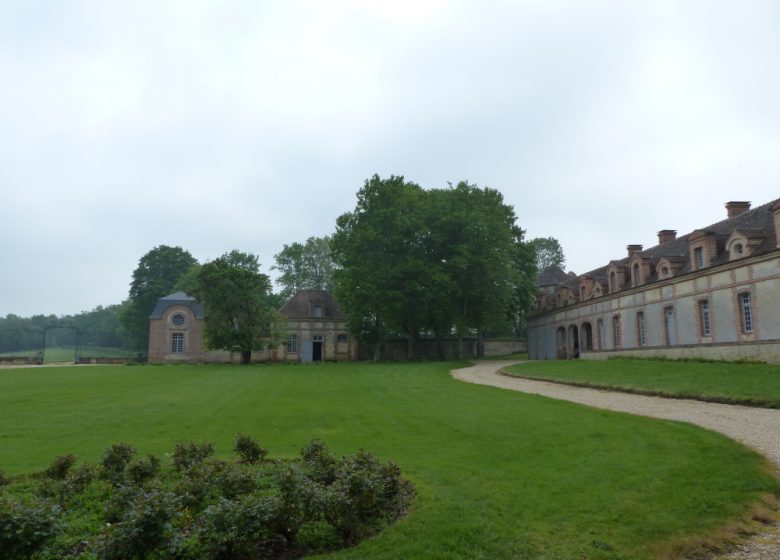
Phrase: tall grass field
pixel 498 474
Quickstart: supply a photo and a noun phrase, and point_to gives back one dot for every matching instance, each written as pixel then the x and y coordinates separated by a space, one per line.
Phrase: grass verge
pixel 724 382
pixel 499 474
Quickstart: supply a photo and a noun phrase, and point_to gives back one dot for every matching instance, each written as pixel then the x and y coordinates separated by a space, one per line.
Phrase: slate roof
pixel 301 306
pixel 757 222
pixel 177 298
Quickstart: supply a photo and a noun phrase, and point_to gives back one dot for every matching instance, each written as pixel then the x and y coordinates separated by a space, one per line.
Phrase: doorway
pixel 316 348
pixel 587 331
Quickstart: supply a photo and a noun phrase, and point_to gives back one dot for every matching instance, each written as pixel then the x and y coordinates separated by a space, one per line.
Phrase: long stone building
pixel 316 327
pixel 713 293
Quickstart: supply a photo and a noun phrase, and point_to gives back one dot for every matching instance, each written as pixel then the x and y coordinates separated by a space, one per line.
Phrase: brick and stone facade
pixel 714 293
pixel 176 330
pixel 316 327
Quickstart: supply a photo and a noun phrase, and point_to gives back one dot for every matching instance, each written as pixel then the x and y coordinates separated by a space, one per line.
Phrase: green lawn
pixel 499 474
pixel 755 384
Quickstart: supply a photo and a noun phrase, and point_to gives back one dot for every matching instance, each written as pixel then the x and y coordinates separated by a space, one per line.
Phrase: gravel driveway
pixel 758 428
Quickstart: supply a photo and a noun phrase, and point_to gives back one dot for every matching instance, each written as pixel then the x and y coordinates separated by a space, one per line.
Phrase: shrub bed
pixel 198 507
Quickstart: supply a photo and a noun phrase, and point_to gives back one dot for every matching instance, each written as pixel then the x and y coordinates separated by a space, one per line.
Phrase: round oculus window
pixel 178 319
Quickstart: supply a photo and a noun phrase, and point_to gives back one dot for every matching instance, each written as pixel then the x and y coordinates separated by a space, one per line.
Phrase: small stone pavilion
pixel 316 326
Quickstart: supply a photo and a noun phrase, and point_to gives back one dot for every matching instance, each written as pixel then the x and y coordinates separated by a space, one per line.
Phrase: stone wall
pixel 161 332
pixel 427 349
pixel 672 317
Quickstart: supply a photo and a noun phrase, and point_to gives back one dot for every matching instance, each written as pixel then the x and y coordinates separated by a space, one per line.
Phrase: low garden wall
pixel 426 349
pixel 18 361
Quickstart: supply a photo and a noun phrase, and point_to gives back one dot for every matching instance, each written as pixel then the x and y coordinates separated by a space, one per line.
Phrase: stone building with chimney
pixel 713 293
pixel 317 332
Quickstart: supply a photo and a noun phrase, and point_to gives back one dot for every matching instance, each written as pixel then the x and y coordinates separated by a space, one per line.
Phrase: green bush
pixel 234 481
pixel 142 470
pixel 248 449
pixel 201 509
pixel 59 468
pixel 321 464
pixel 24 529
pixel 115 459
pixel 239 529
pixel 146 525
pixel 189 454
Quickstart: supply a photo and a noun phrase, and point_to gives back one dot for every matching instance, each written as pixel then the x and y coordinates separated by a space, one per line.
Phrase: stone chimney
pixel 735 208
pixel 633 249
pixel 666 235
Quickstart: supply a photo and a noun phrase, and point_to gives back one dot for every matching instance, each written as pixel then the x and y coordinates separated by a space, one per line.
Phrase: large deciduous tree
pixel 548 252
pixel 376 249
pixel 441 261
pixel 238 304
pixel 305 266
pixel 156 276
pixel 484 258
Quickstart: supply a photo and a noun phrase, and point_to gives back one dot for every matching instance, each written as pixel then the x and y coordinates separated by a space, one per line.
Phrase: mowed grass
pixel 753 384
pixel 499 474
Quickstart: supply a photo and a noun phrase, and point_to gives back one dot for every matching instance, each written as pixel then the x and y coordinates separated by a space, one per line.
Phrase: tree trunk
pixel 246 356
pixel 462 326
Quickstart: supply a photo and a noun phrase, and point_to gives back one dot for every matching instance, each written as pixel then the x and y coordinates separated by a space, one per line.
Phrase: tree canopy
pixel 442 261
pixel 156 276
pixel 238 304
pixel 304 266
pixel 548 252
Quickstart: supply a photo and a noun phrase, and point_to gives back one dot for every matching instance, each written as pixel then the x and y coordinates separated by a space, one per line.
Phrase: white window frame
pixel 177 343
pixel 292 344
pixel 704 317
pixel 698 257
pixel 746 312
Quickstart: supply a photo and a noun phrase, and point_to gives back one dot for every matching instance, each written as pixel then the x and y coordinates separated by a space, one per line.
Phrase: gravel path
pixel 758 428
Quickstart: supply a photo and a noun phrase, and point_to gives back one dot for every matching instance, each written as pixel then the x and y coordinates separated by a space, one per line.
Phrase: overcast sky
pixel 214 125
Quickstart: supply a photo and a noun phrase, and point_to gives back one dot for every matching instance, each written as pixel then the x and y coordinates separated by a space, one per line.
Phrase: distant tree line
pixel 100 327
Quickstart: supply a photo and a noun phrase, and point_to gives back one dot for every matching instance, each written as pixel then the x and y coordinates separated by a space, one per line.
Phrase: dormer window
pixel 698 258
pixel 317 311
pixel 618 277
pixel 742 242
pixel 667 268
pixel 635 278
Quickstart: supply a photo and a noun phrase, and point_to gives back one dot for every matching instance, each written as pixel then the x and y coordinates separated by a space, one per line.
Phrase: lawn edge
pixel 753 403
